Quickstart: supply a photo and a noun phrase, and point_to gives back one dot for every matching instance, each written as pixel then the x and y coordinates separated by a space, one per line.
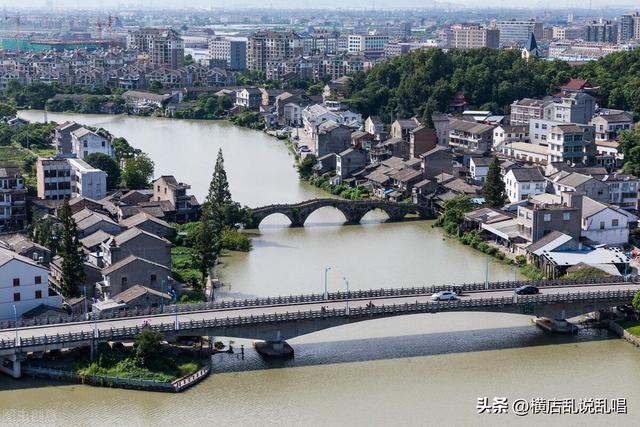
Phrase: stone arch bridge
pixel 353 210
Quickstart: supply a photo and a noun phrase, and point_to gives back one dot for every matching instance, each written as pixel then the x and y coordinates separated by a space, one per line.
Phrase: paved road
pixel 256 311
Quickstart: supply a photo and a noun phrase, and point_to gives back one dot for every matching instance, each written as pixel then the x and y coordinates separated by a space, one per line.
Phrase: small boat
pixel 552 325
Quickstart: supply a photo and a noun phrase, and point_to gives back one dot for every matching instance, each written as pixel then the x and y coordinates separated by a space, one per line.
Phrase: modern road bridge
pixel 353 210
pixel 277 319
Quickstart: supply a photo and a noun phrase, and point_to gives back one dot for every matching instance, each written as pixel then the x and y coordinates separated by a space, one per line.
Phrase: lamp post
pixel 326 272
pixel 176 311
pixel 15 322
pixel 486 272
pixel 347 283
pixel 86 309
pixel 161 295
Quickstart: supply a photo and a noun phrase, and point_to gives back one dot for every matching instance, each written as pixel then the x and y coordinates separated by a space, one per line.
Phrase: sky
pixel 353 4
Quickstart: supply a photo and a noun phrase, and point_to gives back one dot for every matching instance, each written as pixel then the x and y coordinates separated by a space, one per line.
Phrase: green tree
pixel 155 86
pixel 206 245
pixel 7 110
pixel 72 274
pixel 44 232
pixel 305 168
pixel 494 189
pixel 123 150
pixel 219 194
pixel 453 213
pixel 636 301
pixel 107 164
pixel 147 345
pixel 137 172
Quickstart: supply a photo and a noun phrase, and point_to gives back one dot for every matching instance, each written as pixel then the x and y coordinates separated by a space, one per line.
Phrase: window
pixel 153 278
pixel 123 281
pixel 614 222
pixel 566 216
pixel 547 217
pixel 16 297
pixel 38 294
pixel 601 225
pixel 38 280
pixel 16 282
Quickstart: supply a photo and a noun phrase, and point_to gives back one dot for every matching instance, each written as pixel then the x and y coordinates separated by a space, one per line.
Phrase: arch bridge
pixel 353 210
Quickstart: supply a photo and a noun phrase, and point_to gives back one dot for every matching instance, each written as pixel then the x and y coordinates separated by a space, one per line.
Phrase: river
pixel 424 369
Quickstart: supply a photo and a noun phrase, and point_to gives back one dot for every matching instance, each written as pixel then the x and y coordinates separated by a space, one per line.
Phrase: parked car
pixel 527 290
pixel 444 296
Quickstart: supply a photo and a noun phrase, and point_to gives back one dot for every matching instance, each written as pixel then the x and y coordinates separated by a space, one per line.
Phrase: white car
pixel 444 296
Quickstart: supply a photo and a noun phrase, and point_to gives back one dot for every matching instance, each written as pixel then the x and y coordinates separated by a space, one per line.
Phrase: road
pixel 8 334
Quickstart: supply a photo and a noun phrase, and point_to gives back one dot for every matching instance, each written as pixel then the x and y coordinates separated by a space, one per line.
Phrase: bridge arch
pixel 334 209
pixel 269 217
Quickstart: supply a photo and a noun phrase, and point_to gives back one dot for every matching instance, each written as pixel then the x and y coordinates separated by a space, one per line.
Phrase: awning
pixel 505 229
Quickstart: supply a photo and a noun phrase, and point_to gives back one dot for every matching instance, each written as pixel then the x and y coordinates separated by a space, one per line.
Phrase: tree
pixel 453 213
pixel 72 274
pixel 123 149
pixel 107 164
pixel 219 194
pixel 44 232
pixel 155 86
pixel 147 344
pixel 636 301
pixel 305 168
pixel 7 110
pixel 137 172
pixel 206 245
pixel 494 189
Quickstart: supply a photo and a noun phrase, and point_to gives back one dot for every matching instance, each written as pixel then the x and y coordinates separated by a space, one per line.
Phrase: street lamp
pixel 15 321
pixel 347 283
pixel 326 271
pixel 86 310
pixel 161 295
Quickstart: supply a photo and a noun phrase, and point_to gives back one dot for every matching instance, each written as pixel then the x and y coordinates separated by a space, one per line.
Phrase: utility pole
pixel 326 271
pixel 347 283
pixel 486 272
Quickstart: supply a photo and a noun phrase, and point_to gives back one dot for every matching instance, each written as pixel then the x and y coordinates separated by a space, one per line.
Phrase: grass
pixel 44 152
pixel 14 155
pixel 183 270
pixel 631 326
pixel 166 366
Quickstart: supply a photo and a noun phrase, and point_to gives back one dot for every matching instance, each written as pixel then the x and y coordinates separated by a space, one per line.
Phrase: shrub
pixel 521 260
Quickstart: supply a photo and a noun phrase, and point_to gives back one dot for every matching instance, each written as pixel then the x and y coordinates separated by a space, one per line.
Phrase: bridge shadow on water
pixel 380 348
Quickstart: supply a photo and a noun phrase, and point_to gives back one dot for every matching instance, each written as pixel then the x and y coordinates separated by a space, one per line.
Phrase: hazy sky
pixel 354 4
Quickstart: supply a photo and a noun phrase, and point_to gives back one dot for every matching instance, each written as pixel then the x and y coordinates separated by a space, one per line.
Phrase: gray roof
pixel 549 242
pixel 141 217
pixel 573 180
pixel 128 260
pixel 527 174
pixel 132 233
pixel 137 291
pixel 482 161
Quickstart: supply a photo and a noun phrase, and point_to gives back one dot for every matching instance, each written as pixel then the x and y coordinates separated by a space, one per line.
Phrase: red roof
pixel 577 84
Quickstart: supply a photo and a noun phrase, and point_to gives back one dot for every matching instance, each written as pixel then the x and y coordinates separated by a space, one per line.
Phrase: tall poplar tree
pixel 73 275
pixel 206 244
pixel 494 189
pixel 219 194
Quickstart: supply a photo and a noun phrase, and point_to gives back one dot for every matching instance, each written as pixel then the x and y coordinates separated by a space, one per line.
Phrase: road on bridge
pixel 105 325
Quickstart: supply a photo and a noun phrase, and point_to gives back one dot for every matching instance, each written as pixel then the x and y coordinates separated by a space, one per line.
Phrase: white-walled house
pixel 479 167
pixel 24 284
pixel 604 224
pixel 85 142
pixel 88 181
pixel 520 183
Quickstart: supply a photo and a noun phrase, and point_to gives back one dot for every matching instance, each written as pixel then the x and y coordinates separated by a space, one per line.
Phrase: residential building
pixel 520 183
pixel 571 143
pixel 349 161
pixel 24 285
pixel 87 181
pixel 576 182
pixel 271 46
pixel 401 128
pixel 85 142
pixel 314 115
pixel 371 45
pixel 604 224
pixel 21 245
pixel 54 178
pixel 623 190
pixel 516 32
pixel 609 126
pixel 62 138
pixel 526 109
pixel 469 36
pixel 150 224
pixel 421 140
pixel 504 134
pixel 250 98
pixel 186 207
pixel 601 31
pixel 525 152
pixel 138 243
pixel 479 167
pixel 162 46
pixel 331 137
pixel 88 222
pixel 536 219
pixel 470 136
pixel 133 271
pixel 13 211
pixel 573 107
pixel 629 27
pixel 375 127
pixel 231 51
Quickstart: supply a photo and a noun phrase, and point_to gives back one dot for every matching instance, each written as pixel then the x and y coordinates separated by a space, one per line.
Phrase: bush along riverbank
pixel 149 365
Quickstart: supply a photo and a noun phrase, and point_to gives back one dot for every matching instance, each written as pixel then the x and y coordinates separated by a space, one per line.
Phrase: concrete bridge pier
pixel 274 348
pixel 11 365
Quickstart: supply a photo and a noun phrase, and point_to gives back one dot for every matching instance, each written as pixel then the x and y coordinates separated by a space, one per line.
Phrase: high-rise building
pixel 516 32
pixel 466 36
pixel 266 46
pixel 629 27
pixel 232 51
pixel 163 46
pixel 601 31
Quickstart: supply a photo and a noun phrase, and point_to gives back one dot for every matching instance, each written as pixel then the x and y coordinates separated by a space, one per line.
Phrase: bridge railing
pixel 198 326
pixel 311 298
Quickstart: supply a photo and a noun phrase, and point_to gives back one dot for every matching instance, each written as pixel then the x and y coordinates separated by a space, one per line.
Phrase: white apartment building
pixel 516 32
pixel 24 284
pixel 368 44
pixel 85 142
pixel 569 142
pixel 520 183
pixel 230 50
pixel 87 181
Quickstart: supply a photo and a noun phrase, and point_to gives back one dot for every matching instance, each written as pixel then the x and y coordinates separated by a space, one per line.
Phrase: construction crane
pixel 17 20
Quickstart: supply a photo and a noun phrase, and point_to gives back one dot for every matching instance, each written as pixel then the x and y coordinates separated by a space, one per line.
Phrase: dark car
pixel 527 290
